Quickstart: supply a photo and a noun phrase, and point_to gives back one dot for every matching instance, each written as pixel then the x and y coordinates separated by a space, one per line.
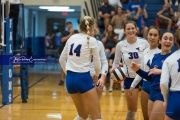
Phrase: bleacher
pixel 153 6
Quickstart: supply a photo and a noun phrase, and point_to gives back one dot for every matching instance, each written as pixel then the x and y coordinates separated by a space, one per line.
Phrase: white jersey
pixel 145 65
pixel 76 55
pixel 104 63
pixel 171 71
pixel 130 53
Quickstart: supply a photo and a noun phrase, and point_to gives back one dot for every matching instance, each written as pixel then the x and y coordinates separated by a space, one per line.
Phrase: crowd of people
pixel 148 61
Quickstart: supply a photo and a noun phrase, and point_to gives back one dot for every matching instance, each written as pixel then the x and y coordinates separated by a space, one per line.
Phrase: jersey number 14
pixel 77 50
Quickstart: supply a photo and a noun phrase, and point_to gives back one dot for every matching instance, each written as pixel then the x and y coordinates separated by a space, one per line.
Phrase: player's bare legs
pixel 91 100
pixel 158 111
pixel 80 105
pixel 144 104
pixel 131 102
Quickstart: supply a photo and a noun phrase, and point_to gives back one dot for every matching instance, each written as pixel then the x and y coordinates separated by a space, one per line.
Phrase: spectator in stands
pixel 48 40
pixel 118 22
pixel 170 2
pixel 65 36
pixel 140 18
pixel 105 12
pixel 165 16
pixel 110 39
pixel 133 5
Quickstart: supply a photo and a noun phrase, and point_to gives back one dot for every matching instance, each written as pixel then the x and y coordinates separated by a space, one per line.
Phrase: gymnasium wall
pixel 35 29
pixel 59 2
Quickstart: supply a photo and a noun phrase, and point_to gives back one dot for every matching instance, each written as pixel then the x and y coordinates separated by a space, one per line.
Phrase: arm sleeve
pixel 95 53
pixel 144 75
pixel 118 55
pixel 63 58
pixel 164 81
pixel 136 81
pixel 103 59
pixel 137 78
pixel 96 60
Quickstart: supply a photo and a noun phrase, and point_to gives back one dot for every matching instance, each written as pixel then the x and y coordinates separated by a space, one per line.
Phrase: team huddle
pixel 143 63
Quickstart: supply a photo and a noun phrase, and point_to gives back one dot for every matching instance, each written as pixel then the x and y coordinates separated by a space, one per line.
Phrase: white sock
pixel 78 118
pixel 130 115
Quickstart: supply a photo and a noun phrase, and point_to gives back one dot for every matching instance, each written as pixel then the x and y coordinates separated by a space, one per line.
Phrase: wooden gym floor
pixel 49 101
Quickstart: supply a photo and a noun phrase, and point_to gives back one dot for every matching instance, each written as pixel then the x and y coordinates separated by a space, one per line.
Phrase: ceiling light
pixel 54 7
pixel 61 10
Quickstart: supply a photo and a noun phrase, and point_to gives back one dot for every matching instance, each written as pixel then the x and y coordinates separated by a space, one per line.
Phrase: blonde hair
pixel 85 23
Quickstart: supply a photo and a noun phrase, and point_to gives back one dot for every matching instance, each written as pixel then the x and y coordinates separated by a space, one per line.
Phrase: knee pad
pixel 78 118
pixel 130 115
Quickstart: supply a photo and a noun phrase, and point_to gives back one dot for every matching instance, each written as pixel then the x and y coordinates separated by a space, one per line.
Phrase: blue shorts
pixel 78 82
pixel 155 94
pixel 173 106
pixel 128 82
pixel 146 87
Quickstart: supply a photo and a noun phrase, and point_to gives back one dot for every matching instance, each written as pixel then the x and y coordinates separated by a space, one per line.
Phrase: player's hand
pixel 154 71
pixel 130 91
pixel 100 83
pixel 135 67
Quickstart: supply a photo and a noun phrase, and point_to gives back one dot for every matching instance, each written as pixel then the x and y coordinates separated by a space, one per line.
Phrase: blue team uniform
pixel 154 79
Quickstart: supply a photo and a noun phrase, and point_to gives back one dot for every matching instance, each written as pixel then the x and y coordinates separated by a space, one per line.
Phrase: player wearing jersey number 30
pixel 75 61
pixel 130 49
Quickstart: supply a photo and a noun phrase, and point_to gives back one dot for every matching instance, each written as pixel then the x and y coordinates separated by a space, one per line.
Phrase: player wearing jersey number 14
pixel 75 61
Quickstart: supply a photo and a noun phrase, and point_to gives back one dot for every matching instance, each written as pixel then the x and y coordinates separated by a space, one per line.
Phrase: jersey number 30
pixel 77 50
pixel 133 55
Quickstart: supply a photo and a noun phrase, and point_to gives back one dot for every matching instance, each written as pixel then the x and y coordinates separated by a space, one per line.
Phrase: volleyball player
pixel 156 109
pixel 153 36
pixel 130 49
pixel 104 67
pixel 75 61
pixel 171 74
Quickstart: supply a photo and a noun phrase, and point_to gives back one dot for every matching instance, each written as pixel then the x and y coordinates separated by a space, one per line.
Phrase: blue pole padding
pixel 7 81
pixel 27 81
pixel 23 85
